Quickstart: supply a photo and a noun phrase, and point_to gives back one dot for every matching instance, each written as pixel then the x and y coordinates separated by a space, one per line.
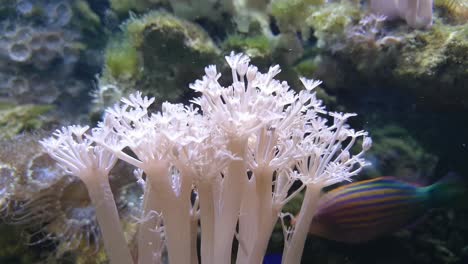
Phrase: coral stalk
pixel 176 213
pixel 205 193
pixel 228 208
pixel 267 214
pixel 150 242
pixel 108 218
pixel 295 245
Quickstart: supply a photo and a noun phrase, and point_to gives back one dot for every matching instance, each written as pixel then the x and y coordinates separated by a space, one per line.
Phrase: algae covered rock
pixel 157 54
pixel 330 21
pixel 258 46
pixel 17 119
pixel 435 64
pixel 290 14
pixel 365 49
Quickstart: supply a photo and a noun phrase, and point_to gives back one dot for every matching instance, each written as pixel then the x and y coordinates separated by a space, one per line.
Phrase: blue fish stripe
pixel 369 185
pixel 374 202
pixel 364 197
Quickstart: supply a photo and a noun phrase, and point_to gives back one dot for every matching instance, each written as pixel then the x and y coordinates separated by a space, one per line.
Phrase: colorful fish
pixel 364 210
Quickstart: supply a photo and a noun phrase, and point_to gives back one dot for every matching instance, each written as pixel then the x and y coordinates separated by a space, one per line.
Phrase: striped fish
pixel 364 210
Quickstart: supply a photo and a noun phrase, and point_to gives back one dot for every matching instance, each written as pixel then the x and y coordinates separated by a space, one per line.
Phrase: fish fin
pixel 450 191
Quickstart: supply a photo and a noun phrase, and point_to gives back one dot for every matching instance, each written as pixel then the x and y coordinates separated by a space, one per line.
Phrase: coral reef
pixel 422 65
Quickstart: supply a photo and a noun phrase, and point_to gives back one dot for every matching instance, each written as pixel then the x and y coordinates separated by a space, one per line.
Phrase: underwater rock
pixel 155 54
pixel 434 64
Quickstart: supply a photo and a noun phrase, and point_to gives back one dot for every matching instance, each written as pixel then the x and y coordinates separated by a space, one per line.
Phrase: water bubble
pixel 9 29
pixel 25 8
pixel 19 52
pixel 23 34
pixel 18 85
pixel 61 14
pixel 46 92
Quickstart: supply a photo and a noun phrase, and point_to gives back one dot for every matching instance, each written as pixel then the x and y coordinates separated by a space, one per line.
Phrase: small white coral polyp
pixel 239 149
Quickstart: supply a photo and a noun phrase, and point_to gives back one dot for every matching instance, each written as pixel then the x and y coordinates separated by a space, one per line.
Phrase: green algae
pixel 330 22
pixel 123 7
pixel 290 14
pixel 254 46
pixel 434 63
pixel 121 60
pixel 15 119
pixel 88 17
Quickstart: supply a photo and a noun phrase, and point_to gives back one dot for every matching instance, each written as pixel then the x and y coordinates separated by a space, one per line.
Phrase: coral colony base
pixel 238 150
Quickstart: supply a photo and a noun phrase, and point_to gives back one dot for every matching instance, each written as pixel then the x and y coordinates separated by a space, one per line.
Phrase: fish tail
pixel 451 191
